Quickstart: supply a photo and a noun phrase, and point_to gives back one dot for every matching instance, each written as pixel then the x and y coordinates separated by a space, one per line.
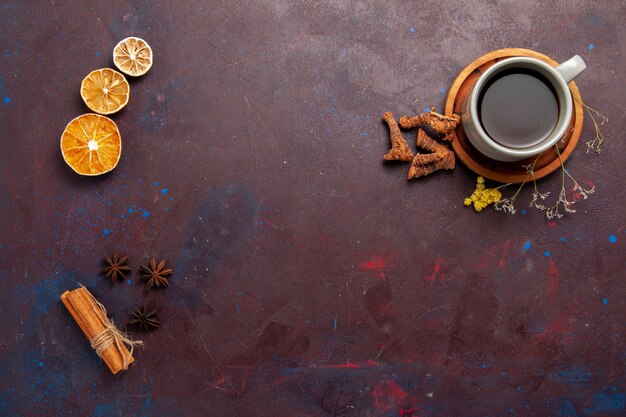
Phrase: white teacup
pixel 557 79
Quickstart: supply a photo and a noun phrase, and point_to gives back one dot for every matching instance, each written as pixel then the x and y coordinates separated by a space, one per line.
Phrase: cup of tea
pixel 520 107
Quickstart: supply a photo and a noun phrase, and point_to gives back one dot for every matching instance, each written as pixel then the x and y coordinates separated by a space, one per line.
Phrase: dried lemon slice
pixel 91 144
pixel 105 91
pixel 133 56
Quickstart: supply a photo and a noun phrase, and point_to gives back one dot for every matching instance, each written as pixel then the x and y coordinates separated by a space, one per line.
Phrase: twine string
pixel 111 335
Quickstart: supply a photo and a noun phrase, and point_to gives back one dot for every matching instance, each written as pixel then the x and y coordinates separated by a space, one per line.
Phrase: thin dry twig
pixel 596 143
pixel 507 204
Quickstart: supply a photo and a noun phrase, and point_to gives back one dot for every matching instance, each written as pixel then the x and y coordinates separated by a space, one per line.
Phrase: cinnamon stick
pixel 100 331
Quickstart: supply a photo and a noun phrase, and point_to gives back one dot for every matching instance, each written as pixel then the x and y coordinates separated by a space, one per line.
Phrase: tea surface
pixel 518 108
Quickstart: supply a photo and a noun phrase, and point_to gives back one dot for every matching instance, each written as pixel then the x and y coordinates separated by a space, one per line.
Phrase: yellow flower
pixel 482 196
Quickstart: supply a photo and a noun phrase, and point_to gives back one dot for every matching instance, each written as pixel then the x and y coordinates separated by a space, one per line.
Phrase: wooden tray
pixel 506 172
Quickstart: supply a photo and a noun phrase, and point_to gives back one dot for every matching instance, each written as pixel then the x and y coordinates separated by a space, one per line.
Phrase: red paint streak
pixel 501 252
pixel 376 263
pixel 436 271
pixel 387 396
pixel 228 385
pixel 560 328
pixel 552 279
pixel 505 251
pixel 407 411
pixel 551 224
pixel 576 195
pixel 251 304
pixel 349 365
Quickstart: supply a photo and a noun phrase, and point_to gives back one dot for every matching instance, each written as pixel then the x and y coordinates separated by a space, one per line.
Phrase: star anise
pixel 116 267
pixel 144 318
pixel 155 275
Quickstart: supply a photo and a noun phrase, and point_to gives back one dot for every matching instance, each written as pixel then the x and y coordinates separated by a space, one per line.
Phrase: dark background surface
pixel 310 279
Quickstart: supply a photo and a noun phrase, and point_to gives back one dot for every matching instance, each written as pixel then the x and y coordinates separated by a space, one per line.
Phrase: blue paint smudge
pixel 106 232
pixel 546 253
pixel 335 324
pixel 567 408
pixel 261 222
pixel 7 100
pixel 211 206
pixel 576 375
pixel 156 184
pixel 148 403
pixel 97 53
pixel 484 366
pixel 165 191
pixel 288 371
pixel 129 281
pixel 527 245
pixel 122 216
pixel 523 212
pixel 591 46
pixel 605 301
pixel 562 239
pixel 612 238
pixel 607 401
pixel 146 214
pixel 426 109
pixel 46 386
pixel 103 410
pixel 131 211
pixel 412 29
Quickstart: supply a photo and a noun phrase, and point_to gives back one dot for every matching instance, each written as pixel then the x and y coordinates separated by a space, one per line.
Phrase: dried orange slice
pixel 133 56
pixel 91 144
pixel 105 91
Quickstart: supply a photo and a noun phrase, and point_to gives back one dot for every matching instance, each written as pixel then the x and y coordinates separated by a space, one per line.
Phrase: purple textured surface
pixel 310 279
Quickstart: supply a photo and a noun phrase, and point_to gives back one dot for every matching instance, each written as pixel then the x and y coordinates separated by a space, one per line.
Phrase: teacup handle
pixel 571 68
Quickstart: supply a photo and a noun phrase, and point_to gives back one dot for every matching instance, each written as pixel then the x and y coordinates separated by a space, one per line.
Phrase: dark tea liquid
pixel 518 108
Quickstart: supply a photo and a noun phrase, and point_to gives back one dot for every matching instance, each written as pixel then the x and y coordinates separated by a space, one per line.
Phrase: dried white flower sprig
pixel 482 196
pixel 562 205
pixel 507 204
